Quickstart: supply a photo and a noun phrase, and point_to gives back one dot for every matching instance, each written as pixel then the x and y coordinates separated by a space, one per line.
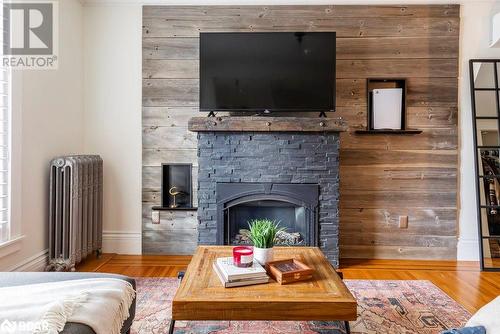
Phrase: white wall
pixel 90 104
pixel 48 116
pixel 112 122
pixel 474 43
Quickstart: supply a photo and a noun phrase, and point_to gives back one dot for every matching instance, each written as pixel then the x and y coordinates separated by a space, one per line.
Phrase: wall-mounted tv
pixel 267 71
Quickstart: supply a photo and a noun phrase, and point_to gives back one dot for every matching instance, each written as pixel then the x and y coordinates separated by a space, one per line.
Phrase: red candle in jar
pixel 243 256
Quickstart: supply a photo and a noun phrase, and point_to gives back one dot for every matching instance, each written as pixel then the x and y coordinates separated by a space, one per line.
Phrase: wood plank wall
pixel 382 176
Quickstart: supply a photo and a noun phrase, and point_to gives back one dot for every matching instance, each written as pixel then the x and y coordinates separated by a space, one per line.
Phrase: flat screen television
pixel 267 71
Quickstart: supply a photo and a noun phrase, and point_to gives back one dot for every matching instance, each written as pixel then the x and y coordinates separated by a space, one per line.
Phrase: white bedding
pixel 100 303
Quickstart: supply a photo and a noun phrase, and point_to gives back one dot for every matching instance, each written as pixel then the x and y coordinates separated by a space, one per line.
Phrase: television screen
pixel 273 71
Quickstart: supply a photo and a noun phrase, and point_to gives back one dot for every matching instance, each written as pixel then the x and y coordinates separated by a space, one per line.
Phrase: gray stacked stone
pixel 275 157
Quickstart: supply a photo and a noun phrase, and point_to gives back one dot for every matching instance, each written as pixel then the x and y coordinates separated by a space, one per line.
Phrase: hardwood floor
pixel 138 265
pixel 460 280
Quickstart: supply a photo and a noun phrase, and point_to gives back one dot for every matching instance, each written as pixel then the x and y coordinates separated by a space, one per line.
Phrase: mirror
pixel 491 252
pixel 486 116
pixel 484 75
pixel 489 162
pixel 490 196
pixel 490 221
pixel 486 104
pixel 498 74
pixel 487 132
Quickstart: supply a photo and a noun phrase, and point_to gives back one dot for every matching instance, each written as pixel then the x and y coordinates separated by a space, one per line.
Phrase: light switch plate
pixel 155 217
pixel 403 221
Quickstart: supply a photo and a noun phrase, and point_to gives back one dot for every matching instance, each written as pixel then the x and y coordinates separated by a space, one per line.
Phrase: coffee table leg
pixel 180 276
pixel 171 327
pixel 347 327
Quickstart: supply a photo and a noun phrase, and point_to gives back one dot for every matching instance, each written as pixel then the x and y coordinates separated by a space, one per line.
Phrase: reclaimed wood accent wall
pixel 382 176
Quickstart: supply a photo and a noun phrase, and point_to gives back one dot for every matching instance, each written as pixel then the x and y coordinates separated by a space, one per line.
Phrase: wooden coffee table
pixel 201 295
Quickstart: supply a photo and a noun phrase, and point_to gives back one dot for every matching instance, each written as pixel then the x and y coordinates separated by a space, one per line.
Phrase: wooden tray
pixel 289 271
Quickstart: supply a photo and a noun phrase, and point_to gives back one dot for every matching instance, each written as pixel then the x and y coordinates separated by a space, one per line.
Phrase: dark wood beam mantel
pixel 267 124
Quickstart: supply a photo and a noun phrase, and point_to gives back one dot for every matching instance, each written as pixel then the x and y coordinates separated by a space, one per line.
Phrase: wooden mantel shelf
pixel 267 124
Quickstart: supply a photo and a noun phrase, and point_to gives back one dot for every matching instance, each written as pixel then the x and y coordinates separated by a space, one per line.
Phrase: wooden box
pixel 289 271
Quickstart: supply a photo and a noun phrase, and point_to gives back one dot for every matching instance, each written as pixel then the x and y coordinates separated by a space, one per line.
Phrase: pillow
pixel 466 330
pixel 488 316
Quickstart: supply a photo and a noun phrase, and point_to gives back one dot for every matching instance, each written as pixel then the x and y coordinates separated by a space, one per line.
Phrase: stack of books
pixel 232 276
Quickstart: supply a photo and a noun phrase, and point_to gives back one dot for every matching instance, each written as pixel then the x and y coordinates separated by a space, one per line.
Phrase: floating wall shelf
pixel 167 208
pixel 388 132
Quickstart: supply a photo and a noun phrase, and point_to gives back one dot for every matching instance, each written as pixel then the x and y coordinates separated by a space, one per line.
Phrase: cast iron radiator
pixel 75 210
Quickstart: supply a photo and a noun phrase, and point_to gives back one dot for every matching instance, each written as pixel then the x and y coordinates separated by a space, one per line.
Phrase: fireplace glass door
pixel 289 216
pixel 293 206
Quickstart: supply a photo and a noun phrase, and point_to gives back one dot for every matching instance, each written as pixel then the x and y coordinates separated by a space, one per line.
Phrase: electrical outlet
pixel 403 221
pixel 155 217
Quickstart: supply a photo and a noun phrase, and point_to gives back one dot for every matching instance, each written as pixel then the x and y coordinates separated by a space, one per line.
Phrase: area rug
pixel 389 307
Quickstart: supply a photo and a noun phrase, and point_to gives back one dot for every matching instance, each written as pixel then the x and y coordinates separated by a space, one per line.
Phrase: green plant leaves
pixel 263 232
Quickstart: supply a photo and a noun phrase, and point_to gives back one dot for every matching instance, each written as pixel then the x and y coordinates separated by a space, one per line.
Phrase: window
pixel 5 109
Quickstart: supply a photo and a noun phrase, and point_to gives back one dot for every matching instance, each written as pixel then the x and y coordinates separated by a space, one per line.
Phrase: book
pixel 232 272
pixel 241 282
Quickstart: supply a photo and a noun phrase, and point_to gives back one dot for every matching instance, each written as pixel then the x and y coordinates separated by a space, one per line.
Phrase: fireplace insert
pixel 294 206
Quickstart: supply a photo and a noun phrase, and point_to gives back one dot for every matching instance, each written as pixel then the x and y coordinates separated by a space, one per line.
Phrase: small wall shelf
pixel 176 177
pixel 381 83
pixel 166 208
pixel 388 132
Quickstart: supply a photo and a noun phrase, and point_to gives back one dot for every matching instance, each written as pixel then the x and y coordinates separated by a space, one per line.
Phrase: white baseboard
pixel 122 242
pixel 37 262
pixel 467 250
pixel 112 242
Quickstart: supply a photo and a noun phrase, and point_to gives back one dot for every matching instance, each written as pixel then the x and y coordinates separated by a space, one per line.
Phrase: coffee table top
pixel 201 295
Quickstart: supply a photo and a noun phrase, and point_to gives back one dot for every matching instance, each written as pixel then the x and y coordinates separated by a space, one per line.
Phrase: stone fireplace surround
pixel 273 150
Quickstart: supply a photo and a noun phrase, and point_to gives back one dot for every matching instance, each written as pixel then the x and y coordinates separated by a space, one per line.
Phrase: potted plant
pixel 262 233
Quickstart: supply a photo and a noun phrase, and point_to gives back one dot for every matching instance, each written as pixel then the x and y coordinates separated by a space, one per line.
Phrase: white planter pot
pixel 263 255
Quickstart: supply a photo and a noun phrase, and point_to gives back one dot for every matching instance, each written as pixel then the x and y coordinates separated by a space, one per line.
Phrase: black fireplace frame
pixel 301 194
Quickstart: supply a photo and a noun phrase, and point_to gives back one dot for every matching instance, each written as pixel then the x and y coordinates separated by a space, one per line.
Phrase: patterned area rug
pixel 389 307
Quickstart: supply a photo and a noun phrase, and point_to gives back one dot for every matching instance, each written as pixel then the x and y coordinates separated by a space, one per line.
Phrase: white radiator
pixel 75 210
